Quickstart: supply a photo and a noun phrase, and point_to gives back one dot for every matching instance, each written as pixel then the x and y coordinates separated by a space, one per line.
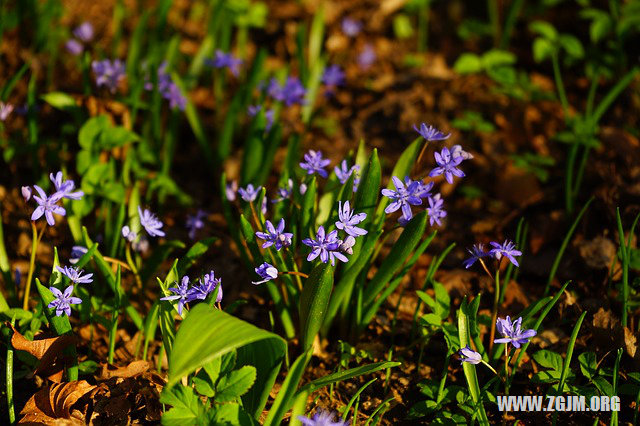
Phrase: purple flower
pixel 207 285
pixel 225 60
pixel 292 92
pixel 477 252
pixel 321 418
pixel 367 57
pixel 253 110
pixel 447 165
pixel 128 233
pixel 275 236
pixel 63 301
pixel 430 133
pixel 74 47
pixel 141 245
pixel 469 355
pixel 436 210
pixel 346 246
pixel 181 293
pixel 344 172
pixel 302 188
pixel 457 151
pixel 402 198
pixel 84 32
pixel 506 249
pixel 351 27
pixel 326 246
pixel 267 272
pixel 76 253
pixel 417 187
pixel 5 110
pixel 47 206
pixel 249 193
pixel 314 163
pixel 26 193
pixel 349 220
pixel 195 222
pixel 108 73
pixel 65 187
pixel 175 97
pixel 333 76
pixel 512 332
pixel 231 189
pixel 284 192
pixel 75 275
pixel 150 223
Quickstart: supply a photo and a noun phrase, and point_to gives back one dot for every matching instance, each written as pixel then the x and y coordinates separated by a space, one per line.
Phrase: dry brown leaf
pixel 631 343
pixel 47 350
pixel 133 369
pixel 52 405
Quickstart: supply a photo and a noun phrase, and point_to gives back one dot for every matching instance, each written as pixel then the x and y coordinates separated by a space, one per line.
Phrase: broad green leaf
pixel 308 208
pixel 314 302
pixel 572 45
pixel 545 29
pixel 60 100
pixel 208 333
pixel 186 406
pixel 468 63
pixel 588 364
pixel 368 190
pixel 235 384
pixel 548 359
pixel 542 49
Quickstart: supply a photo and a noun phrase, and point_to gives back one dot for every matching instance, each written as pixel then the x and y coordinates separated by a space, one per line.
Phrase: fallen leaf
pixel 47 350
pixel 52 405
pixel 133 369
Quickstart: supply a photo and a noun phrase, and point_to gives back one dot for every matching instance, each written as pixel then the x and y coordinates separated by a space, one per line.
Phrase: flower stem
pixel 490 367
pixel 132 265
pixel 300 274
pixel 494 312
pixel 9 382
pixel 506 369
pixel 35 240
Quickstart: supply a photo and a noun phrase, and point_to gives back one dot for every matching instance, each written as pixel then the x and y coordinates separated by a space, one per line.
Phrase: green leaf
pixel 497 58
pixel 196 251
pixel 468 63
pixel 286 394
pixel 208 333
pixel 588 364
pixel 368 190
pixel 396 257
pixel 235 384
pixel 572 46
pixel 542 49
pixel 314 302
pixel 187 407
pixel 548 359
pixel 545 29
pixel 347 374
pixel 60 100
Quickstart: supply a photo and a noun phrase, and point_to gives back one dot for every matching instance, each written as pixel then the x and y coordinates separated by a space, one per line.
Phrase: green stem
pixel 9 373
pixel 132 265
pixel 506 369
pixel 496 302
pixel 557 75
pixel 494 20
pixel 112 335
pixel 35 240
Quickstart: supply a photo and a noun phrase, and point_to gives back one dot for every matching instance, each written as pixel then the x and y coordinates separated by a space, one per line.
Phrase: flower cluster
pixel 195 222
pixel 185 294
pixel 108 73
pixel 225 60
pixel 407 194
pixel 168 88
pixel 506 249
pixel 275 236
pixel 83 34
pixel 291 93
pixel 315 163
pixel 48 204
pixel 512 332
